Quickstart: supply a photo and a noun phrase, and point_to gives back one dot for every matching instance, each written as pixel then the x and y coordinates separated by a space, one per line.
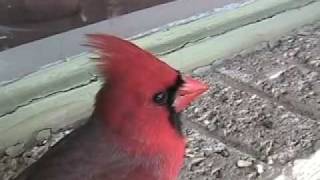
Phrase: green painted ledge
pixel 60 95
pixel 177 37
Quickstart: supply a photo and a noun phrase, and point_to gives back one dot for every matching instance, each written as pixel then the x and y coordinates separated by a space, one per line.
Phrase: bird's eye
pixel 161 98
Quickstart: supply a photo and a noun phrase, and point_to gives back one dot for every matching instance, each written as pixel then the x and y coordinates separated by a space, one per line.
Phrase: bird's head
pixel 142 96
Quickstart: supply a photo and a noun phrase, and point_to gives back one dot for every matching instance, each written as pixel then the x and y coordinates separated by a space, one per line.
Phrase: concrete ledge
pixel 212 48
pixel 177 37
pixel 60 77
pixel 60 95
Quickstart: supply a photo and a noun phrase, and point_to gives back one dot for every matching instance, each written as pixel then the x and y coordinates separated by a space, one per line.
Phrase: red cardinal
pixel 134 132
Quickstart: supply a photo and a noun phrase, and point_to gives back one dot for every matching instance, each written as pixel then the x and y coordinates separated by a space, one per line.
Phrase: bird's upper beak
pixel 190 90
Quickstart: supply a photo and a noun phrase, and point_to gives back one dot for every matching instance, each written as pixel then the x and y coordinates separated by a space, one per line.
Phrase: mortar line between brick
pixel 288 105
pixel 218 135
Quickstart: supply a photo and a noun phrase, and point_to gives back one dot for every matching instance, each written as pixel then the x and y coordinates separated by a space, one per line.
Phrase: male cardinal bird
pixel 134 132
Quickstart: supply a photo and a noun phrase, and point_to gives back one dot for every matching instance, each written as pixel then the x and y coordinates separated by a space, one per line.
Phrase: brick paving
pixel 263 108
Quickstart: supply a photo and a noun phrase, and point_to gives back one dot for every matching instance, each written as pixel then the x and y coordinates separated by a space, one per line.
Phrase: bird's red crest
pixel 119 57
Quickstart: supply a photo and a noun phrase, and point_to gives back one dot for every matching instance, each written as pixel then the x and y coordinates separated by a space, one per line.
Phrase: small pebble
pixel 244 163
pixel 43 136
pixel 196 161
pixel 206 122
pixel 270 161
pixel 259 168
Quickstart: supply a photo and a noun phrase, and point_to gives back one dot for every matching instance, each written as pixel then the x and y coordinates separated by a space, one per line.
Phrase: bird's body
pixel 134 132
pixel 95 155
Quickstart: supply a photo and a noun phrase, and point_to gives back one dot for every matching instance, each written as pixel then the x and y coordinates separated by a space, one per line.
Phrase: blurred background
pixel 22 21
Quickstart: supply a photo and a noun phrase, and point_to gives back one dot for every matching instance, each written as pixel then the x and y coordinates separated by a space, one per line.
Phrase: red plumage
pixel 134 130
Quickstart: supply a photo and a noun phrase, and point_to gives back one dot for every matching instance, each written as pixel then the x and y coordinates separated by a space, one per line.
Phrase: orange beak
pixel 190 90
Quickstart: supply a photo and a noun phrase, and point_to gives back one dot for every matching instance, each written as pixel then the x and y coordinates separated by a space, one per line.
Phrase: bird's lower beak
pixel 189 91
